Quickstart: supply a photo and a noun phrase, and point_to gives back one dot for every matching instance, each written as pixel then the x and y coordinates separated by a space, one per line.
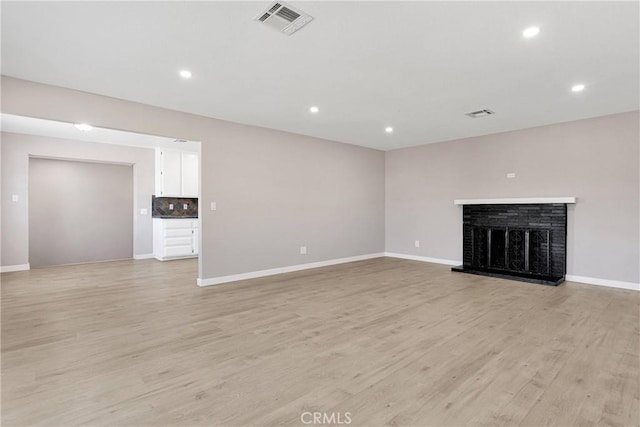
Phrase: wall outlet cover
pixel 170 206
pixel 143 211
pixel 303 250
pixel 417 243
pixel 511 175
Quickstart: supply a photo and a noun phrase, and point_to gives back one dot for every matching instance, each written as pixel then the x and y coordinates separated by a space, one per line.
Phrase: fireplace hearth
pixel 525 242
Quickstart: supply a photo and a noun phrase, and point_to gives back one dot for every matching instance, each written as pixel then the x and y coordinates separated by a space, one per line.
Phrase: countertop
pixel 175 217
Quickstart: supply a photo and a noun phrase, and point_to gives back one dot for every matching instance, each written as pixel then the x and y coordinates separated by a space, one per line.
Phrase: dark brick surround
pixel 525 242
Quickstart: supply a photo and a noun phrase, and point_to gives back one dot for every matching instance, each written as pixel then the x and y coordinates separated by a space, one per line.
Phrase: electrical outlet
pixel 185 206
pixel 511 175
pixel 303 250
pixel 14 198
pixel 417 243
pixel 170 206
pixel 214 206
pixel 143 211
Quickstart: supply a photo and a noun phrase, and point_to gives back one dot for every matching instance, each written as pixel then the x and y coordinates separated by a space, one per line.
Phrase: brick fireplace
pixel 521 241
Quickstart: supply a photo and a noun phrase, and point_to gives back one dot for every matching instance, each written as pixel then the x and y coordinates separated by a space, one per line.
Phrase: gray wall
pixel 275 191
pixel 595 160
pixel 79 212
pixel 16 150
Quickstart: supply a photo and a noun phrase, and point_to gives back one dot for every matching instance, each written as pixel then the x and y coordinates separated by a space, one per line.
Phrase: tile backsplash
pixel 160 207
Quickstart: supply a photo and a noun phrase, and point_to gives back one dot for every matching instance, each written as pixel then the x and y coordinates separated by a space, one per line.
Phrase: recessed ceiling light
pixel 388 129
pixel 83 127
pixel 530 32
pixel 577 88
pixel 185 74
pixel 314 109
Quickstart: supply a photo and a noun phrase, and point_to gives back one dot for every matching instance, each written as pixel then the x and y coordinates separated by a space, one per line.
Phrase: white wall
pixel 17 148
pixel 596 160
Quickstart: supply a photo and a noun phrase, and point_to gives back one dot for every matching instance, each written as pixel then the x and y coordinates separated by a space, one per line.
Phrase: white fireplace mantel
pixel 515 201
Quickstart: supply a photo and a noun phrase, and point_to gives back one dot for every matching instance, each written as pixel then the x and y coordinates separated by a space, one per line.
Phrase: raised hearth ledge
pixel 515 201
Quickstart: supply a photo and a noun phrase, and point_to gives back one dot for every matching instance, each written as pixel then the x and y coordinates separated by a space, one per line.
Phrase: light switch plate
pixel 14 198
pixel 214 206
pixel 143 211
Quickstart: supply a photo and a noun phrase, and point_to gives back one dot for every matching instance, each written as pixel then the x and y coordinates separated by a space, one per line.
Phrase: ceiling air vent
pixel 479 113
pixel 283 18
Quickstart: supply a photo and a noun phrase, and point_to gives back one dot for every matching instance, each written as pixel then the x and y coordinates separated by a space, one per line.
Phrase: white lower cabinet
pixel 175 238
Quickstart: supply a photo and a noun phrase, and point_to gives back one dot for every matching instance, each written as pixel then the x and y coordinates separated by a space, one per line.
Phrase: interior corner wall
pixel 275 191
pixel 16 149
pixel 596 160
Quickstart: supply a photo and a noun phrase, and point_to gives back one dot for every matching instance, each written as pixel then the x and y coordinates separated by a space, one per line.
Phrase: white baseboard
pixel 569 278
pixel 603 282
pixel 10 268
pixel 143 256
pixel 262 273
pixel 423 258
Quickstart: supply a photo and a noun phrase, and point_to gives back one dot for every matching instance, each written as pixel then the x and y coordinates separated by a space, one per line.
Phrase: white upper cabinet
pixel 170 172
pixel 176 173
pixel 190 174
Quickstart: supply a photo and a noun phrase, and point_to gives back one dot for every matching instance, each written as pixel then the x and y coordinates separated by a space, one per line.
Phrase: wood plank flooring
pixel 389 341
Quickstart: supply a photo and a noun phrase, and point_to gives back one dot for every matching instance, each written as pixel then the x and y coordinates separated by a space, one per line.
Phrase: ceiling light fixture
pixel 83 127
pixel 480 113
pixel 314 109
pixel 388 129
pixel 530 32
pixel 577 88
pixel 185 74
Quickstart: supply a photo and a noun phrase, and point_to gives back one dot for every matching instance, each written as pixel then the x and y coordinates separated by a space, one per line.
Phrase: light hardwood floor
pixel 392 342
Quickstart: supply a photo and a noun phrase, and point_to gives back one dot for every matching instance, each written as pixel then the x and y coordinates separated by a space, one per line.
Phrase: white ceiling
pixel 416 66
pixel 50 128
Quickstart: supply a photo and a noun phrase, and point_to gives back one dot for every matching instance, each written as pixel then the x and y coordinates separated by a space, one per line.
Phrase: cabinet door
pixel 189 174
pixel 196 241
pixel 171 173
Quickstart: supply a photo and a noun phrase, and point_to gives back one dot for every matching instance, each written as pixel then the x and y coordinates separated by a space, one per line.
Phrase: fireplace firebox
pixel 526 242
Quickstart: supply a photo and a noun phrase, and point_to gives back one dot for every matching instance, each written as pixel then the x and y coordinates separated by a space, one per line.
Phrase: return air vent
pixel 479 113
pixel 283 18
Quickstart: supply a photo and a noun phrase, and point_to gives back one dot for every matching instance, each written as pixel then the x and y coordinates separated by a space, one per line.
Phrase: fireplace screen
pixel 526 242
pixel 512 249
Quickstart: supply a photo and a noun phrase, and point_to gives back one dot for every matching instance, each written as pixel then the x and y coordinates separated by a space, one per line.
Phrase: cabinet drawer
pixel 171 251
pixel 179 232
pixel 177 223
pixel 178 241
